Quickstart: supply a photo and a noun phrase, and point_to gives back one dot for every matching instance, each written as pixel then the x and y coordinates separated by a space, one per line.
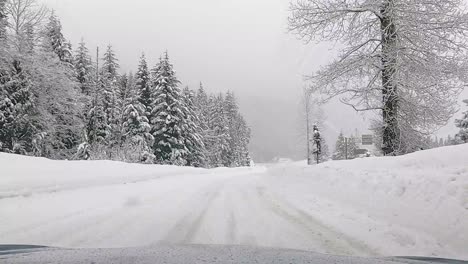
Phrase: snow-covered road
pixel 348 208
pixel 217 208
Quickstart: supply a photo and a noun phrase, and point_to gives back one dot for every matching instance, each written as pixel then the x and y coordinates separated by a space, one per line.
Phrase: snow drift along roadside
pixel 24 176
pixel 412 204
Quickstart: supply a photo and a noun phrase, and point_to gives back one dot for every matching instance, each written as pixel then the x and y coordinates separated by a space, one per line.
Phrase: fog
pixel 240 45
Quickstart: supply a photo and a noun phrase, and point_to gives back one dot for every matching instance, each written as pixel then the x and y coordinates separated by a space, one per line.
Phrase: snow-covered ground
pixel 410 205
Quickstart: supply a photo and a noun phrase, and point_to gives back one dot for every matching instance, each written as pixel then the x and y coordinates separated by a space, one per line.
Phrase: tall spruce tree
pixel 218 124
pixel 84 68
pixel 98 131
pixel 352 147
pixel 143 85
pixel 242 155
pixel 17 128
pixel 136 128
pixel 340 148
pixel 167 115
pixel 202 108
pixel 109 84
pixel 56 42
pixel 195 155
pixel 231 115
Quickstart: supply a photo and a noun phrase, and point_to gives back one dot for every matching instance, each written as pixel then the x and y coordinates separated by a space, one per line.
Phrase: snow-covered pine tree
pixel 242 148
pixel 463 125
pixel 84 70
pixel 109 84
pixel 220 148
pixel 195 155
pixel 202 108
pixel 97 129
pixel 352 147
pixel 231 111
pixel 317 143
pixel 340 148
pixel 201 102
pixel 59 102
pixel 17 128
pixel 56 42
pixel 110 64
pixel 167 115
pixel 143 86
pixel 136 129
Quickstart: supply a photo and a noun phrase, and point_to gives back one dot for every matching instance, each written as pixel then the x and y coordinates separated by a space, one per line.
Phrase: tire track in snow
pixel 333 241
pixel 185 230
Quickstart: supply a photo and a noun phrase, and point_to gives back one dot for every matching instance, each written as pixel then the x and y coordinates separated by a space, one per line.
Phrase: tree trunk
pixel 391 135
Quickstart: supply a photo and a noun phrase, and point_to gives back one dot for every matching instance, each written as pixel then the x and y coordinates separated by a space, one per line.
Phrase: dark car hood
pixel 192 254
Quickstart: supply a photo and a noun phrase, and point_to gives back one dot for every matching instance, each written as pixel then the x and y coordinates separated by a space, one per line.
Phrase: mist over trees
pixel 61 103
pixel 404 60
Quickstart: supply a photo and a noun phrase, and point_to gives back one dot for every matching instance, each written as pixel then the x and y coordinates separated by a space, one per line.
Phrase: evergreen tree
pixel 97 129
pixel 202 108
pixel 242 146
pixel 109 84
pixel 17 129
pixel 110 65
pixel 317 144
pixel 463 125
pixel 231 111
pixel 167 115
pixel 352 147
pixel 192 132
pixel 136 128
pixel 220 148
pixel 441 142
pixel 143 85
pixel 84 68
pixel 56 42
pixel 340 148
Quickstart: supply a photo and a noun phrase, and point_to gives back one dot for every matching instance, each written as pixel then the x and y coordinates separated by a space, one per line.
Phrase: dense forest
pixel 61 103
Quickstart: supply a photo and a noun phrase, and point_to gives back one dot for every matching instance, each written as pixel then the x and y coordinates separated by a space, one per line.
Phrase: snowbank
pixel 417 202
pixel 23 176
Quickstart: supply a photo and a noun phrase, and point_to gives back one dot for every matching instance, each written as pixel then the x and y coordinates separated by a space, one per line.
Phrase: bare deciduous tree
pixel 3 19
pixel 25 16
pixel 405 59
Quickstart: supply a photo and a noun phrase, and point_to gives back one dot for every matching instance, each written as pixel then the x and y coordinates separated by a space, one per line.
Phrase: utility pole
pixel 307 106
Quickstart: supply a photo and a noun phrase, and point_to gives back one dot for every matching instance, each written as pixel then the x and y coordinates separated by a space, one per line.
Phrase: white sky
pixel 239 45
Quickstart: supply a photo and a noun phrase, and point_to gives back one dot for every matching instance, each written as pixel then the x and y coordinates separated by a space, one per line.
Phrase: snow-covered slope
pixel 411 205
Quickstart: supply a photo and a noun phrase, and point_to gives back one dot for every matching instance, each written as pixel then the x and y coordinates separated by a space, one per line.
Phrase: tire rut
pixel 333 241
pixel 187 228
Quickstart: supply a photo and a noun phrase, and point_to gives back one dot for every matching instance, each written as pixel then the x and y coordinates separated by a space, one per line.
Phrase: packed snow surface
pixel 410 205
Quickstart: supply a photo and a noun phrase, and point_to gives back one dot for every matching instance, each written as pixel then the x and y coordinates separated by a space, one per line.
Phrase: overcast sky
pixel 240 45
